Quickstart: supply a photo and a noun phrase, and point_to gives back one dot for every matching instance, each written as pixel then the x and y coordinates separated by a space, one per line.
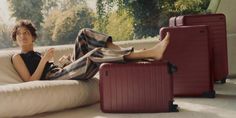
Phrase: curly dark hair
pixel 24 23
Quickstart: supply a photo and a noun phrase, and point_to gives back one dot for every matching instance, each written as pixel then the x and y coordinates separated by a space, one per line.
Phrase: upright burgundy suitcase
pixel 136 87
pixel 192 57
pixel 218 39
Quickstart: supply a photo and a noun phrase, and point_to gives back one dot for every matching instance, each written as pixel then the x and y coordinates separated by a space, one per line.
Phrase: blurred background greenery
pixel 58 21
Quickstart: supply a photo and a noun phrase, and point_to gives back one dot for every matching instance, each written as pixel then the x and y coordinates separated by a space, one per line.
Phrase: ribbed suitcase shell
pixel 189 51
pixel 172 22
pixel 218 39
pixel 136 87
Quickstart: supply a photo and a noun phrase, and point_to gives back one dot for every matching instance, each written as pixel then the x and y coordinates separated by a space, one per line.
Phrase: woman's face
pixel 24 37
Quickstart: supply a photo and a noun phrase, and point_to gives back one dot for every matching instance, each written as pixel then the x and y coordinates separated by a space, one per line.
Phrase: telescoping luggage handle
pixel 172 68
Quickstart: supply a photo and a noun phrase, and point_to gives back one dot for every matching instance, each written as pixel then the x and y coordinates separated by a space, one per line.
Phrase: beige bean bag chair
pixel 18 98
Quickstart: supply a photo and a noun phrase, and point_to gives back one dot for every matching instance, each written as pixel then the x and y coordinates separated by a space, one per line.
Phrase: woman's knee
pixel 84 31
pixel 81 34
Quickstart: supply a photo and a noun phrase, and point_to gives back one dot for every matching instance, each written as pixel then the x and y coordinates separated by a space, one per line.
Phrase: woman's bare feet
pixel 159 49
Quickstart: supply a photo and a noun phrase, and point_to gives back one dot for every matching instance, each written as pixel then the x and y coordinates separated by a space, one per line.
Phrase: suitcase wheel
pixel 223 81
pixel 209 94
pixel 173 107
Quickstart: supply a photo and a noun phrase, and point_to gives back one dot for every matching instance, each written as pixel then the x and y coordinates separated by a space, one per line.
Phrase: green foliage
pixel 70 23
pixel 5 37
pixel 123 19
pixel 146 14
pixel 27 9
pixel 48 28
pixel 52 11
pixel 62 5
pixel 183 7
pixel 120 26
pixel 48 6
pixel 114 19
pixel 102 18
pixel 149 15
pixel 67 4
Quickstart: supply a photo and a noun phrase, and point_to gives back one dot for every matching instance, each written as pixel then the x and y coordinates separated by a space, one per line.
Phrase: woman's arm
pixel 23 70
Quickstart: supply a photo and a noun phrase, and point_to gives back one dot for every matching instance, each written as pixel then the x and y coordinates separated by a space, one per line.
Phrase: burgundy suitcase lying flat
pixel 218 39
pixel 193 77
pixel 136 87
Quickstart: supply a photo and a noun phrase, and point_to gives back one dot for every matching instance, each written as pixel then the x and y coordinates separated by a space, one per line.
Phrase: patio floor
pixel 223 106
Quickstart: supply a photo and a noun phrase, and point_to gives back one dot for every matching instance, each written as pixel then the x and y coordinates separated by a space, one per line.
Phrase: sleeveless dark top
pixel 32 60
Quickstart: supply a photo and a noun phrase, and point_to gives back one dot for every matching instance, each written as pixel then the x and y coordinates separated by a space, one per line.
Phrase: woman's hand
pixel 48 55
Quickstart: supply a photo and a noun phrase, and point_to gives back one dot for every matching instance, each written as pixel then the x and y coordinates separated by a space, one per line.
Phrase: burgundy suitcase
pixel 193 78
pixel 136 87
pixel 218 39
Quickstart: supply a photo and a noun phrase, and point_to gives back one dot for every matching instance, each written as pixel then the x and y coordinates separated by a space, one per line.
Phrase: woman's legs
pixel 84 68
pixel 111 45
pixel 155 52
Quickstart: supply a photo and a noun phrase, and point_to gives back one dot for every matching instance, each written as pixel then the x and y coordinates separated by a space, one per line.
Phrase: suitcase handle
pixel 172 68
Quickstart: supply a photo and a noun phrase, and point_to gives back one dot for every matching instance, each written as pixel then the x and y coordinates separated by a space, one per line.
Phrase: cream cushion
pixel 18 98
pixel 8 75
pixel 35 97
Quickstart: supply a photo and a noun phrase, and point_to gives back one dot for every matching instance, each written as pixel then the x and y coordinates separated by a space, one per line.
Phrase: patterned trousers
pixel 90 51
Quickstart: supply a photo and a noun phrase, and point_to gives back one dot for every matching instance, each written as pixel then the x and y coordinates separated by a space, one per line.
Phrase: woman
pixel 91 49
